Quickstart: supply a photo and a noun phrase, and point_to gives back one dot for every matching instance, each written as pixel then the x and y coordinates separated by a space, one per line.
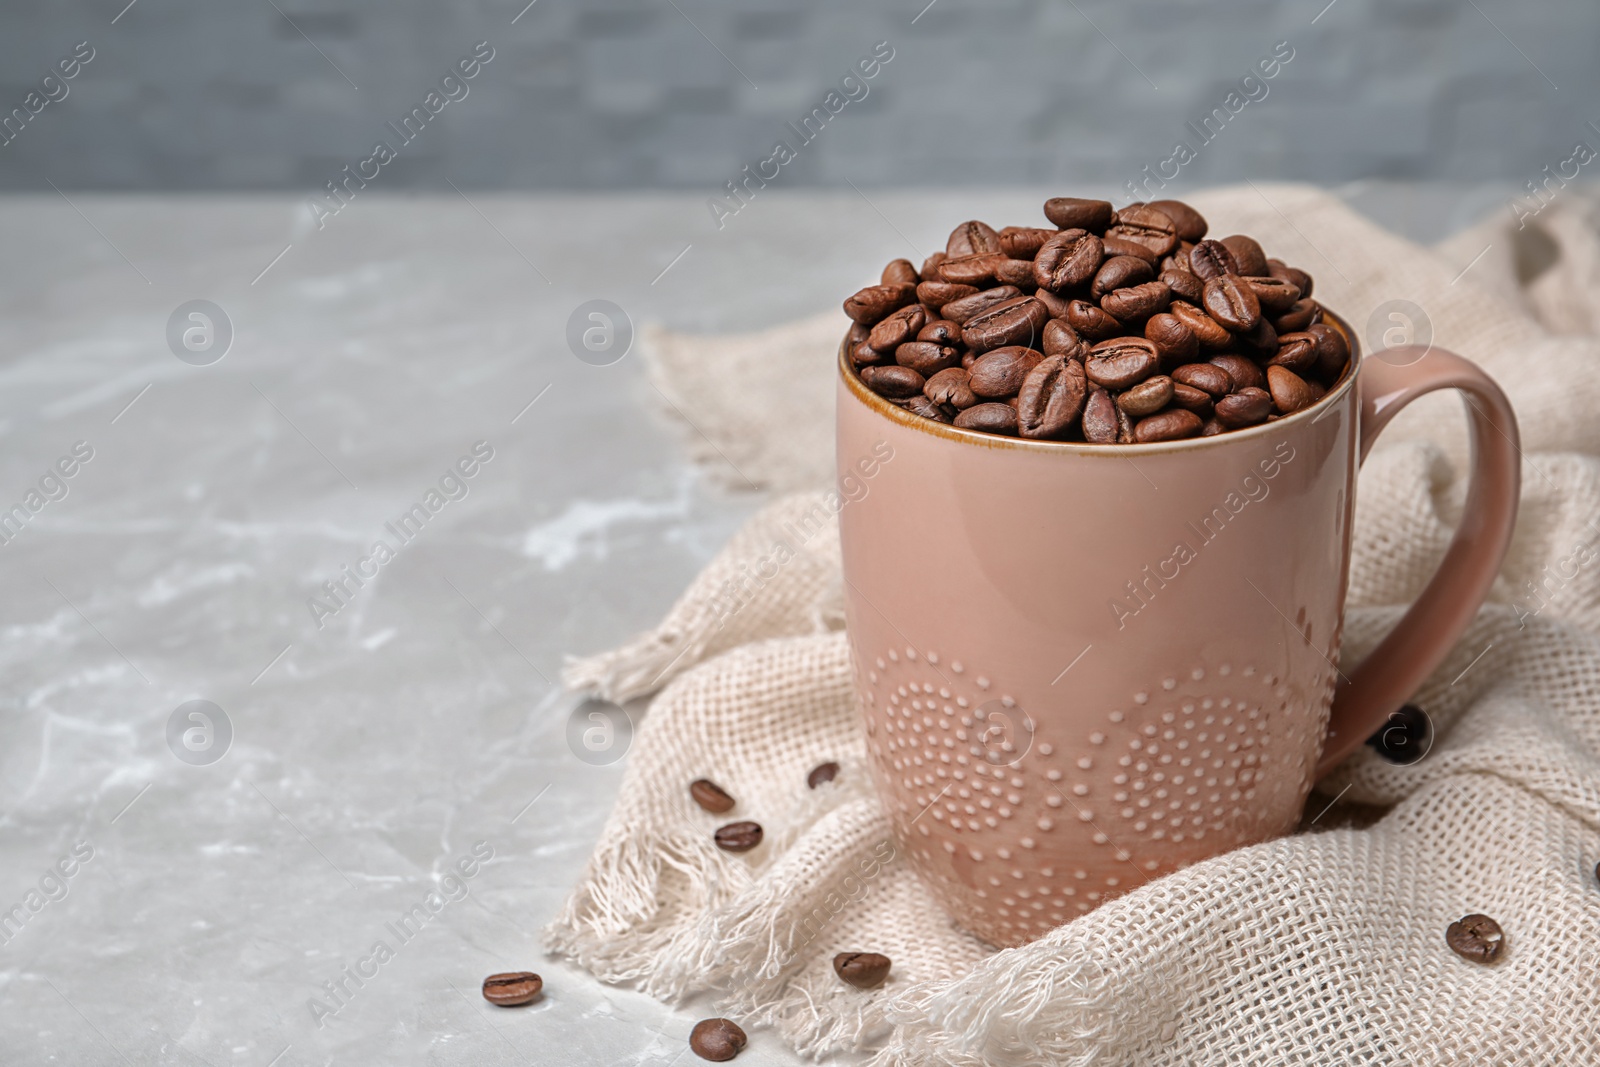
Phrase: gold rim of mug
pixel 859 389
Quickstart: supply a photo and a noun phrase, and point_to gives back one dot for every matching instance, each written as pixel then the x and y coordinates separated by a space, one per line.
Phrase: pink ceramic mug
pixel 1084 666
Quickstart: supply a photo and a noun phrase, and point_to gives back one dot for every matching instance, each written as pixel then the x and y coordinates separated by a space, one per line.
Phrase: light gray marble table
pixel 205 906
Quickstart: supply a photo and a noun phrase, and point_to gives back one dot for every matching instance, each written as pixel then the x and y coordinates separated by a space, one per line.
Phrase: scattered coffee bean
pixel 1024 242
pixel 1015 322
pixel 941 332
pixel 1068 259
pixel 894 382
pixel 990 418
pixel 972 237
pixel 1119 272
pixel 921 405
pixel 822 773
pixel 1174 341
pixel 1288 389
pixel 1207 376
pixel 1299 317
pixel 717 1040
pixel 1121 246
pixel 1296 351
pixel 512 989
pixel 1245 373
pixel 875 301
pixel 864 970
pixel 1190 223
pixel 1185 285
pixel 1091 322
pixel 1100 425
pixel 1121 362
pixel 1070 213
pixel 1296 277
pixel 927 358
pixel 1273 294
pixel 1054 303
pixel 1232 303
pixel 1145 225
pixel 963 308
pixel 1051 398
pixel 898 328
pixel 1061 340
pixel 1018 272
pixel 936 294
pixel 1476 937
pixel 950 387
pixel 899 272
pixel 1210 333
pixel 976 269
pixel 1247 254
pixel 1211 259
pixel 710 796
pixel 1170 425
pixel 1148 397
pixel 1000 373
pixel 1260 342
pixel 1246 407
pixel 1333 350
pixel 1137 303
pixel 1405 736
pixel 738 836
pixel 1189 398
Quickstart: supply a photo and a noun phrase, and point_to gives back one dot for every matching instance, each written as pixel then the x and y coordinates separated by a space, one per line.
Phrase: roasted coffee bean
pixel 977 269
pixel 999 373
pixel 1146 398
pixel 1297 318
pixel 512 989
pixel 876 301
pixel 1178 258
pixel 1318 390
pixel 894 381
pixel 1100 425
pixel 1293 275
pixel 1211 427
pixel 1288 389
pixel 900 327
pixel 1024 242
pixel 1207 376
pixel 936 294
pixel 1211 259
pixel 963 308
pixel 1245 373
pixel 822 773
pixel 1175 343
pixel 1207 330
pixel 1247 254
pixel 1185 285
pixel 864 355
pixel 864 970
pixel 710 796
pixel 1054 303
pixel 941 332
pixel 1190 223
pixel 717 1040
pixel 1476 937
pixel 1051 398
pixel 1090 322
pixel 1068 259
pixel 972 237
pixel 990 418
pixel 739 836
pixel 1230 301
pixel 1121 362
pixel 930 266
pixel 1333 350
pixel 858 333
pixel 1124 427
pixel 927 358
pixel 1018 321
pixel 1070 213
pixel 1273 294
pixel 1119 272
pixel 1246 407
pixel 950 388
pixel 1297 351
pixel 1259 342
pixel 1060 339
pixel 1405 737
pixel 1121 246
pixel 1017 272
pixel 900 272
pixel 1137 302
pixel 968 359
pixel 1189 398
pixel 1167 426
pixel 1147 226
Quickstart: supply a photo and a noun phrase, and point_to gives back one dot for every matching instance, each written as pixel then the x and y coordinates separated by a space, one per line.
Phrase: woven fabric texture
pixel 1325 947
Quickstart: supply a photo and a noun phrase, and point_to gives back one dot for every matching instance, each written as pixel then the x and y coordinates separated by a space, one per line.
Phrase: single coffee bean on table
pixel 710 796
pixel 1476 937
pixel 864 970
pixel 822 774
pixel 738 836
pixel 717 1040
pixel 512 989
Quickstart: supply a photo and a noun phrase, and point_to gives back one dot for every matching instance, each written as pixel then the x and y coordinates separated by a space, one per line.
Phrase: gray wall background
pixel 258 94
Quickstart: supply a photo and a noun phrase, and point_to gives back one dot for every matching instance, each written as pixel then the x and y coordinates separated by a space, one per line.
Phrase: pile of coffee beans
pixel 1112 327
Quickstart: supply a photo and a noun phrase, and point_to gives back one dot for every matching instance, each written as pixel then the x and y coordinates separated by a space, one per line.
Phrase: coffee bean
pixel 894 382
pixel 1288 389
pixel 1024 242
pixel 1061 339
pixel 1333 350
pixel 1068 259
pixel 1137 302
pixel 1207 330
pixel 1476 937
pixel 972 237
pixel 1070 213
pixel 1121 362
pixel 1405 737
pixel 899 272
pixel 936 294
pixel 1051 398
pixel 858 334
pixel 864 970
pixel 963 308
pixel 875 301
pixel 927 358
pixel 1018 321
pixel 1189 398
pixel 1185 285
pixel 1175 342
pixel 1273 294
pixel 822 774
pixel 1167 426
pixel 1100 419
pixel 738 836
pixel 512 989
pixel 1147 226
pixel 1244 372
pixel 1178 258
pixel 977 269
pixel 1017 272
pixel 1247 254
pixel 949 387
pixel 1119 272
pixel 1054 303
pixel 898 328
pixel 1124 427
pixel 1206 376
pixel 1211 259
pixel 1260 342
pixel 1297 318
pixel 1230 302
pixel 1121 246
pixel 864 355
pixel 990 418
pixel 1146 398
pixel 717 1040
pixel 1293 275
pixel 1000 373
pixel 930 266
pixel 1296 351
pixel 1191 225
pixel 921 405
pixel 941 332
pixel 1211 427
pixel 1246 407
pixel 710 796
pixel 1090 322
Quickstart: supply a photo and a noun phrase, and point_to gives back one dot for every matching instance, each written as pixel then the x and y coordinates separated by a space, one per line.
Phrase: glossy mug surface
pixel 1084 666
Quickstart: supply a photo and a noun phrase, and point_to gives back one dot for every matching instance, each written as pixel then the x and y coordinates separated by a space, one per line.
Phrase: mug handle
pixel 1388 677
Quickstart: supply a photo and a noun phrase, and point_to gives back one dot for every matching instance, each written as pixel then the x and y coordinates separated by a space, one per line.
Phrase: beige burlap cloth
pixel 1325 947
